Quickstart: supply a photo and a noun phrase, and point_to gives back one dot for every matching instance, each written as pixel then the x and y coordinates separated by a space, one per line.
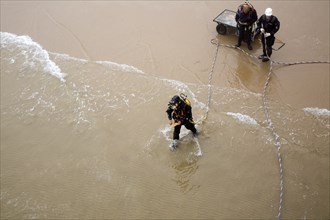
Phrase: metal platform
pixel 227 18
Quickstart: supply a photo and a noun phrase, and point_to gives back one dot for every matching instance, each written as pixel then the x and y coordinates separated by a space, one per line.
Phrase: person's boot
pixel 265 59
pixel 173 145
pixel 238 44
pixel 262 56
pixel 249 47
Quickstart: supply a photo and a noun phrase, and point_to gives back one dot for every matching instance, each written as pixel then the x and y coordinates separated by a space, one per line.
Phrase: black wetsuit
pixel 183 114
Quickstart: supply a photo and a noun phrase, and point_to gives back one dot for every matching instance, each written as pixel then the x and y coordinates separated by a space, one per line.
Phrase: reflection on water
pixel 184 171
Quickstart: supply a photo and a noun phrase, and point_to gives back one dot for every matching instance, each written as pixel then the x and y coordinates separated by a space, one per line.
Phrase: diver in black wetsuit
pixel 179 113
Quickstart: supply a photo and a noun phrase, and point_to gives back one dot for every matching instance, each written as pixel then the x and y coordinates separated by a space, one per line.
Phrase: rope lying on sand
pixel 216 42
pixel 265 106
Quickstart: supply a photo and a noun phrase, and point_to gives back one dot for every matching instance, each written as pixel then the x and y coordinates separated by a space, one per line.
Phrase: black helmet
pixel 175 101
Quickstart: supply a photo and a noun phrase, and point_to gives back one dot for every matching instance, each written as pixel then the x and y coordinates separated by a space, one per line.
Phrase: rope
pixel 275 62
pixel 275 136
pixel 209 88
pixel 300 62
pixel 265 108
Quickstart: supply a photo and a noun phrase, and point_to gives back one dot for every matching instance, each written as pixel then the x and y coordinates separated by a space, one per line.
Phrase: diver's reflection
pixel 184 170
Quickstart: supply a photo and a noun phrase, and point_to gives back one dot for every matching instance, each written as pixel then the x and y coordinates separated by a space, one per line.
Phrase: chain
pixel 265 108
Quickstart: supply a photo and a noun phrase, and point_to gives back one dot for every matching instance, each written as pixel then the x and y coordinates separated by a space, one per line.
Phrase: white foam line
pixel 112 65
pixel 121 67
pixel 34 51
pixel 317 112
pixel 68 57
pixel 242 118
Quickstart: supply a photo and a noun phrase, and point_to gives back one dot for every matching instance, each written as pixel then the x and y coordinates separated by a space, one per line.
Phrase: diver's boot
pixel 174 145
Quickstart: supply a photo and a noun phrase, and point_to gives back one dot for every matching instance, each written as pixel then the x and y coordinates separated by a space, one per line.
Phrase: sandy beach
pixel 93 147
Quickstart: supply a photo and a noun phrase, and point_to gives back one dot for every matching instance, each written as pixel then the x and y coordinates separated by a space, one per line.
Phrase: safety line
pixel 209 88
pixel 275 136
pixel 265 108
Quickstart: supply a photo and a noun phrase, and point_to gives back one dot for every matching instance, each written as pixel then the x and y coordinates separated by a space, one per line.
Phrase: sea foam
pixel 317 112
pixel 34 54
pixel 245 119
pixel 120 67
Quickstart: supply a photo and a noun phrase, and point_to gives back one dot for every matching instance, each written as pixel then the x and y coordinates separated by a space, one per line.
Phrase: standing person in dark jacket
pixel 268 25
pixel 179 113
pixel 246 15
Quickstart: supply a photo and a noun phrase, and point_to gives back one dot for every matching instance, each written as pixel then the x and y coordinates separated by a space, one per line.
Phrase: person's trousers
pixel 268 46
pixel 177 129
pixel 244 33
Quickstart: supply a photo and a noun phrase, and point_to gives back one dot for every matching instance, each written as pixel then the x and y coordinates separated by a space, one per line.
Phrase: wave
pixel 34 56
pixel 33 53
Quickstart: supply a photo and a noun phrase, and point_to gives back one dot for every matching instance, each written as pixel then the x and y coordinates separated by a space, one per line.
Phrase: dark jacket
pixel 248 18
pixel 271 26
pixel 181 113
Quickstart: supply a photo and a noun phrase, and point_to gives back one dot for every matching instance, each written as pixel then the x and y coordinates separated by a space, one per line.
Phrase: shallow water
pixel 85 139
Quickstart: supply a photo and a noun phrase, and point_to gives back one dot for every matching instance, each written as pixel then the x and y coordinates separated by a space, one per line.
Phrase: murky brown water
pixel 95 145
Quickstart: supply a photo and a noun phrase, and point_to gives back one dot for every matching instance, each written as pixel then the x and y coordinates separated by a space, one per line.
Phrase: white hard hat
pixel 268 12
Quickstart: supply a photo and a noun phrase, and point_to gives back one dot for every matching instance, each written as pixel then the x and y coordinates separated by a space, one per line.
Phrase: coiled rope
pixel 265 106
